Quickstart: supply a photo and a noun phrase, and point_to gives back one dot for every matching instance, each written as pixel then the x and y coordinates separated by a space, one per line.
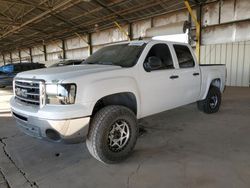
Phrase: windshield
pixel 124 55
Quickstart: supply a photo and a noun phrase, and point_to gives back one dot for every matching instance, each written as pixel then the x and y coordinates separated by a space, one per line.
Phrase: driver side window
pixel 159 57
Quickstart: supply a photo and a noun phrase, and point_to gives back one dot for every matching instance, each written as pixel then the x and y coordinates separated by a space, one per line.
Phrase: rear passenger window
pixel 184 56
pixel 162 52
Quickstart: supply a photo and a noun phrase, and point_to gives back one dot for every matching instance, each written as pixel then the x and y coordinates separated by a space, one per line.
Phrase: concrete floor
pixel 180 148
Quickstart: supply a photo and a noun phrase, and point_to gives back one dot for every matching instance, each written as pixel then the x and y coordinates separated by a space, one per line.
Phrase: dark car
pixel 8 72
pixel 6 79
pixel 67 62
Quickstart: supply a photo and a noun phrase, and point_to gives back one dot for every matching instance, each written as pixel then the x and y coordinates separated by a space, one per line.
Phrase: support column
pixel 20 57
pixel 198 15
pixel 45 52
pixel 30 53
pixel 197 26
pixel 63 49
pixel 11 60
pixel 4 62
pixel 130 31
pixel 90 47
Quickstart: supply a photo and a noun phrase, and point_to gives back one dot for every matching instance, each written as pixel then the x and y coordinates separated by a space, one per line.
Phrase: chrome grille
pixel 30 91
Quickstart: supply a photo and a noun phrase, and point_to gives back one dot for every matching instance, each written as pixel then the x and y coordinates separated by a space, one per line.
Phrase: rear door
pixel 188 74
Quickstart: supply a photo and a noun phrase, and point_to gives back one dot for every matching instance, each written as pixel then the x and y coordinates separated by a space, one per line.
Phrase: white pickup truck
pixel 100 100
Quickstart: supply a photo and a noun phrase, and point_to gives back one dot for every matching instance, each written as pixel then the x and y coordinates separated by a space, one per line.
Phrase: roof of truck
pixel 146 41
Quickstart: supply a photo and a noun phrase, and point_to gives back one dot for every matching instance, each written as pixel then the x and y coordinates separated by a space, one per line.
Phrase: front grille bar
pixel 42 94
pixel 29 100
pixel 23 86
pixel 35 91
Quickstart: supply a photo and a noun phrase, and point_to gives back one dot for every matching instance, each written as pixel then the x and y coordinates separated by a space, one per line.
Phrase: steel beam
pixel 197 26
pixel 31 56
pixel 19 56
pixel 45 52
pixel 122 30
pixel 4 62
pixel 90 47
pixel 11 60
pixel 42 15
pixel 63 49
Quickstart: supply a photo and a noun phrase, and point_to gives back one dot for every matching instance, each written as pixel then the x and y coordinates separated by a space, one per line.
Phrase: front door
pixel 158 86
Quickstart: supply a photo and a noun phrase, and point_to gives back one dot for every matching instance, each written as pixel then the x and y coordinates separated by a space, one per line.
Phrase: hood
pixel 65 72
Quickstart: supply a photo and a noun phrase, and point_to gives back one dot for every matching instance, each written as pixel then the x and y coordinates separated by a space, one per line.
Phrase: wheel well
pixel 216 83
pixel 126 99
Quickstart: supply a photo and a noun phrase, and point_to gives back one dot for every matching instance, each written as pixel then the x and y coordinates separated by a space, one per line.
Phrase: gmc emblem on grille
pixel 21 92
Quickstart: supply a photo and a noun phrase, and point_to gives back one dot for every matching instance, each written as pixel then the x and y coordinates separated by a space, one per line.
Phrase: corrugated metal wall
pixel 236 57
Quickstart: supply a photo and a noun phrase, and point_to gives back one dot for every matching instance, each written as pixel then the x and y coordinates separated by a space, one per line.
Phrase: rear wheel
pixel 212 102
pixel 113 134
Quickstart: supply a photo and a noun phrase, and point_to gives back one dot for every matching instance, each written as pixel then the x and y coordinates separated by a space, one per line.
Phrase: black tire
pixel 102 133
pixel 212 102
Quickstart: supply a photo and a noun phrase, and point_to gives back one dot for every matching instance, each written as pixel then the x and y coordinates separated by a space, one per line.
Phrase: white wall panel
pixel 25 54
pixel 139 28
pixel 76 42
pixel 15 56
pixel 37 50
pixel 7 58
pixel 109 36
pixel 242 9
pixel 170 18
pixel 81 53
pixel 54 47
pixel 235 56
pixel 227 11
pixel 54 56
pixel 210 14
pixel 1 60
pixel 38 58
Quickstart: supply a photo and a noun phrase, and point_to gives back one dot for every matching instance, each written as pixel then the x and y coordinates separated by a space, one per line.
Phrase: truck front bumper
pixel 70 130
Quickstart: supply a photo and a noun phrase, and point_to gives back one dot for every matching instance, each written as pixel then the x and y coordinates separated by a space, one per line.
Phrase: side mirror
pixel 152 63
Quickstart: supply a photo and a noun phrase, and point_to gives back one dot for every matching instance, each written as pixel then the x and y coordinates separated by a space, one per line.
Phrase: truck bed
pixel 209 72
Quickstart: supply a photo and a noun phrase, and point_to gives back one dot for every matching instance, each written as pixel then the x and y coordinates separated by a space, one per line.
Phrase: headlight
pixel 61 93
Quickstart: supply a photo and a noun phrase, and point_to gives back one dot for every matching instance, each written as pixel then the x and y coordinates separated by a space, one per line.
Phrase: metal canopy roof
pixel 24 23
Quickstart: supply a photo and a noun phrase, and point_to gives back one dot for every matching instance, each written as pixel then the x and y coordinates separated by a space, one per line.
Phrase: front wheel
pixel 211 104
pixel 113 134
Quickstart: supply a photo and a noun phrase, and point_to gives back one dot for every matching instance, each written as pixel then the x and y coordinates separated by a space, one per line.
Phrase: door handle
pixel 174 77
pixel 196 74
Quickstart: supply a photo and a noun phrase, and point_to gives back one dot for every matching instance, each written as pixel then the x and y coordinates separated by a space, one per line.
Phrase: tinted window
pixel 17 68
pixel 163 53
pixel 184 56
pixel 124 55
pixel 26 67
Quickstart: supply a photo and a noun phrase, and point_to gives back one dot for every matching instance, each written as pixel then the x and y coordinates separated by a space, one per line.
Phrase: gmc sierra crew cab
pixel 101 99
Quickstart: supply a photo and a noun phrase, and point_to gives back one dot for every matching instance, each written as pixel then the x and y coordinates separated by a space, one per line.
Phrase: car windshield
pixel 124 55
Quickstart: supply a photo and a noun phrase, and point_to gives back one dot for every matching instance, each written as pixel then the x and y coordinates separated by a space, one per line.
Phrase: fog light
pixel 53 135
